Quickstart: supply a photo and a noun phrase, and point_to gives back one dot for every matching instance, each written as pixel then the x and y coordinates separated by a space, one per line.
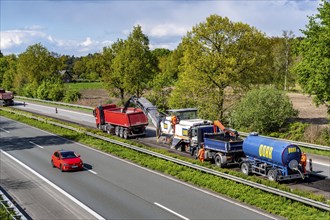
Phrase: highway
pixel 321 165
pixel 109 187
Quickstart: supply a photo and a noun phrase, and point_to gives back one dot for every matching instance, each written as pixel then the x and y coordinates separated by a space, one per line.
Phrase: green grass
pixel 84 85
pixel 273 204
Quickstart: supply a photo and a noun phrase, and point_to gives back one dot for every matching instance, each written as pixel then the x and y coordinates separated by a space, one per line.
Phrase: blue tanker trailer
pixel 278 160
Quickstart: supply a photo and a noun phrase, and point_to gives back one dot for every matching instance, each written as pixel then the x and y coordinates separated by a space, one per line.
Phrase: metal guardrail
pixel 313 146
pixel 11 209
pixel 56 103
pixel 289 195
pixel 244 134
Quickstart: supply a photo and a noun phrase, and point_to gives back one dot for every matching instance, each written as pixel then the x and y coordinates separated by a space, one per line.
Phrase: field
pixel 93 95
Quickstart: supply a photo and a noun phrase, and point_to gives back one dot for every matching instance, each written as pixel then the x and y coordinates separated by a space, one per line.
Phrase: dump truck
pixel 123 122
pixel 6 98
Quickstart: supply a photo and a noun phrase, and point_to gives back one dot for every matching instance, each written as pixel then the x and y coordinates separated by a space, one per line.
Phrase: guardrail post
pixel 310 165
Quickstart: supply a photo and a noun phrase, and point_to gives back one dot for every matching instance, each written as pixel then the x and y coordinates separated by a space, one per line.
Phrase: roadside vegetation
pixel 271 203
pixel 214 68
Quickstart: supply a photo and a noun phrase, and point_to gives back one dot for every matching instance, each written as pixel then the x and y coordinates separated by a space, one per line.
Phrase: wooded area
pixel 214 66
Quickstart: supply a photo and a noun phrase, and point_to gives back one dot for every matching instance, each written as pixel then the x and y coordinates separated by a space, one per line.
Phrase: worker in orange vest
pixel 201 153
pixel 174 121
pixel 303 161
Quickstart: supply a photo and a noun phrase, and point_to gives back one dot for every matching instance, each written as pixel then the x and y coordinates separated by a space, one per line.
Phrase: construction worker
pixel 201 153
pixel 303 161
pixel 174 121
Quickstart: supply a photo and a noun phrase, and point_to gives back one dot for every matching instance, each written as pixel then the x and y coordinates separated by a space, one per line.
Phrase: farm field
pixel 92 96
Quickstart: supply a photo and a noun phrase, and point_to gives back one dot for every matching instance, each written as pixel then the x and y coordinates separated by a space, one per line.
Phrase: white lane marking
pixel 322 164
pixel 154 172
pixel 4 130
pixel 55 186
pixel 183 183
pixel 36 145
pixel 92 172
pixel 171 211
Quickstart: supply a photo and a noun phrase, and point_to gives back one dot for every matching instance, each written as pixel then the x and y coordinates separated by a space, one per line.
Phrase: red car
pixel 66 160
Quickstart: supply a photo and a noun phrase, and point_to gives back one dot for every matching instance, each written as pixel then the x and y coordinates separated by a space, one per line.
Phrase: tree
pixel 219 55
pixel 264 110
pixel 113 70
pixel 34 65
pixel 137 61
pixel 282 76
pixel 8 70
pixel 314 69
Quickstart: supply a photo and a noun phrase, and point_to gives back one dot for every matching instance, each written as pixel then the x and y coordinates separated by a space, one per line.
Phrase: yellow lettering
pixel 270 153
pixel 260 150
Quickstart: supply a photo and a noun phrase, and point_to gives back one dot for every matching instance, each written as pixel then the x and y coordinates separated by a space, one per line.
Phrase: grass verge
pixel 271 203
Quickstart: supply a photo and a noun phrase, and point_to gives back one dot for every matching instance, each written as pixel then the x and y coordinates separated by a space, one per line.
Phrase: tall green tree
pixel 8 70
pixel 34 65
pixel 113 69
pixel 282 75
pixel 219 55
pixel 314 69
pixel 138 62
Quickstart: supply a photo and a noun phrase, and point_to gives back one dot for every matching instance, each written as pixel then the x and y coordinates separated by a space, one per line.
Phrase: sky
pixel 80 27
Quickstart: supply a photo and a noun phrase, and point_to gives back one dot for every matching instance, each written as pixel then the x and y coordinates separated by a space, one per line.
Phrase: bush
pixel 71 95
pixel 50 90
pixel 264 110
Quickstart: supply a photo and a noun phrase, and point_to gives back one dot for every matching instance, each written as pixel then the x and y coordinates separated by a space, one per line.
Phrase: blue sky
pixel 80 27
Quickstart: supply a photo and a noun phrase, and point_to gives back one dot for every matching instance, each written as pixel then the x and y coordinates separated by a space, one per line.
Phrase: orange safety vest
pixel 201 153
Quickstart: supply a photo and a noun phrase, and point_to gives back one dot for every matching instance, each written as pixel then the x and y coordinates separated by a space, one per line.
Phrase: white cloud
pixel 87 42
pixel 14 38
pixel 164 30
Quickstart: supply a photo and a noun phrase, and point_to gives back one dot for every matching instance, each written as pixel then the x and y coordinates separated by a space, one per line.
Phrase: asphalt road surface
pixel 108 188
pixel 321 165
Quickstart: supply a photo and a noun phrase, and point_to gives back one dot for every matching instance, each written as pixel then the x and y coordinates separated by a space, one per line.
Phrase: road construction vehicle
pixel 123 122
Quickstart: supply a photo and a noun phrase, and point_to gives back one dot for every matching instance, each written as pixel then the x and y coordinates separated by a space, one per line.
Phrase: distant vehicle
pixel 6 98
pixel 66 160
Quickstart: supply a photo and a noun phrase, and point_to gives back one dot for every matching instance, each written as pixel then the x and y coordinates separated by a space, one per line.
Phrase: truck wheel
pixel 194 153
pixel 125 133
pixel 245 168
pixel 121 132
pixel 219 161
pixel 272 174
pixel 117 130
pixel 108 129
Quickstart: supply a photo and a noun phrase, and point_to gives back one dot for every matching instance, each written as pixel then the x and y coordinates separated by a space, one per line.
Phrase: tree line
pixel 216 64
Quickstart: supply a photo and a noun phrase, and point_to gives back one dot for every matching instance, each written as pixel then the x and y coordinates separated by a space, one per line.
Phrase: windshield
pixel 68 154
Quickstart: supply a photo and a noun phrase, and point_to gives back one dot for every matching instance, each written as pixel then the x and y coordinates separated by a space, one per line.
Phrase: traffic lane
pixel 320 164
pixel 35 196
pixel 105 199
pixel 138 182
pixel 178 196
pixel 58 112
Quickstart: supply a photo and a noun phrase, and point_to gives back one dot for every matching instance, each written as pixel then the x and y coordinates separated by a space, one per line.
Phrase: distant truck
pixel 123 122
pixel 6 98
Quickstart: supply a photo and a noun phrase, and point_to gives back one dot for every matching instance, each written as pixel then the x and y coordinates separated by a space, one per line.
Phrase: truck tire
pixel 272 174
pixel 125 133
pixel 117 130
pixel 121 132
pixel 218 160
pixel 246 168
pixel 194 153
pixel 108 129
